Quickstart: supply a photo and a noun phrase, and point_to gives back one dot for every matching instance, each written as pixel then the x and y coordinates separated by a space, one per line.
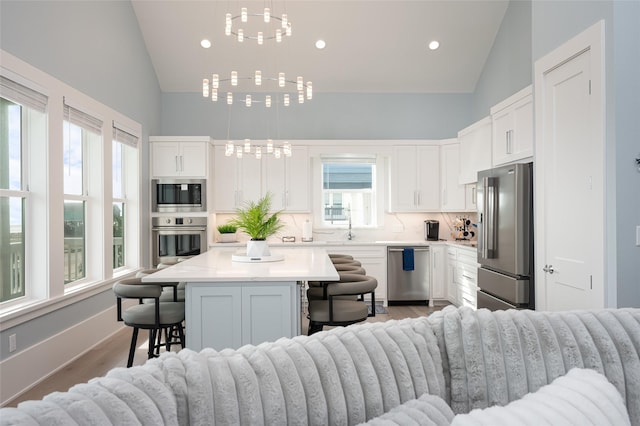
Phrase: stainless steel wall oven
pixel 178 195
pixel 177 238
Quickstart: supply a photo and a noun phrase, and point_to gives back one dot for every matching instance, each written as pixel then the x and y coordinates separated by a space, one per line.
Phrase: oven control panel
pixel 161 221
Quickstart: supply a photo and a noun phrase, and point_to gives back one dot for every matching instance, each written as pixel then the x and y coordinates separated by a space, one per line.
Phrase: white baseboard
pixel 31 366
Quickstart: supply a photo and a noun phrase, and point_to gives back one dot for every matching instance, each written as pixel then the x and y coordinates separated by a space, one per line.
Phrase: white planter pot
pixel 227 238
pixel 257 248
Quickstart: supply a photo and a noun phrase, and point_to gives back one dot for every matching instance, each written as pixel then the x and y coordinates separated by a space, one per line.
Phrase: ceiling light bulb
pixel 205 87
pixel 260 38
pixel 240 35
pixel 227 30
pixel 277 153
pixel 321 44
pixel 285 21
pixel 214 95
pixel 288 30
pixel 286 99
pixel 205 43
pixel 309 90
pixel 281 79
pixel 247 146
pixel 229 149
pixel 238 152
pixel 227 20
pixel 258 78
pixel 269 146
pixel 234 78
pixel 267 15
pixel 278 35
pixel 247 100
pixel 267 101
pixel 229 98
pixel 243 14
pixel 215 81
pixel 434 45
pixel 300 83
pixel 258 153
pixel 301 97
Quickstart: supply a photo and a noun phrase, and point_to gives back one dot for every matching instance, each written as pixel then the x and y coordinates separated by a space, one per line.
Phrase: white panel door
pixel 267 313
pixel 570 172
pixel 213 317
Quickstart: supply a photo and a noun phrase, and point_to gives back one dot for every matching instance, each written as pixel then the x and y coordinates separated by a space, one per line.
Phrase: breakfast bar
pixel 230 303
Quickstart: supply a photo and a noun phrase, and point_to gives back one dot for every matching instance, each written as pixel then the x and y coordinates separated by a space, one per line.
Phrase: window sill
pixel 27 310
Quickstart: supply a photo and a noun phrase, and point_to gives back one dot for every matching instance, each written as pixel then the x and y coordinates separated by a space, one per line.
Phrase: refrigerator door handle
pixel 489 235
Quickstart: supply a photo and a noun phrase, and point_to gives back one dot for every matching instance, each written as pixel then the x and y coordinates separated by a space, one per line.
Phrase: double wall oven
pixel 175 235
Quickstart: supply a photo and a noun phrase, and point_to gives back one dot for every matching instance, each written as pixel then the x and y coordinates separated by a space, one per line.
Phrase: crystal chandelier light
pixel 258 150
pixel 275 26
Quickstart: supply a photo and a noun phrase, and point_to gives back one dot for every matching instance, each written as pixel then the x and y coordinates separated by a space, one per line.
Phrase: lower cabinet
pixel 462 276
pixel 438 273
pixel 230 315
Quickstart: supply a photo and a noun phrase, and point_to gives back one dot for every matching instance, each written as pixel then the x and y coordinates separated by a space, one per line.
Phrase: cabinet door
pixel 250 180
pixel 522 129
pixel 453 194
pixel 297 180
pixel 165 158
pixel 452 285
pixel 213 317
pixel 404 179
pixel 275 181
pixel 428 170
pixel 471 198
pixel 475 150
pixel 438 273
pixel 512 122
pixel 267 313
pixel 502 133
pixel 225 176
pixel 193 159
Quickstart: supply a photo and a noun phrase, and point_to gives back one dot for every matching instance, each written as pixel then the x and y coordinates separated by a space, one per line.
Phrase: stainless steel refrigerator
pixel 505 237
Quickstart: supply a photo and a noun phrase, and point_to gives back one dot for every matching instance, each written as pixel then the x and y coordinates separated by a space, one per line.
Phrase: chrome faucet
pixel 350 235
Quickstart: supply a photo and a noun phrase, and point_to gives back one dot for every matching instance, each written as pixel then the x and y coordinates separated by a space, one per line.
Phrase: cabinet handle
pixel 509 141
pixel 474 195
pixel 177 168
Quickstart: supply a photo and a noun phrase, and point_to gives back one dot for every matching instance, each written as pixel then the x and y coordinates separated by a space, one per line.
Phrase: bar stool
pixel 155 316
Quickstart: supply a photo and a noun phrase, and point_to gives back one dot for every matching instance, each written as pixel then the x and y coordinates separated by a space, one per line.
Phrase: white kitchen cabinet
pixel 453 193
pixel 374 262
pixel 475 150
pixel 236 180
pixel 451 271
pixel 462 276
pixel 236 313
pixel 438 273
pixel 512 123
pixel 470 198
pixel 287 178
pixel 179 156
pixel 415 178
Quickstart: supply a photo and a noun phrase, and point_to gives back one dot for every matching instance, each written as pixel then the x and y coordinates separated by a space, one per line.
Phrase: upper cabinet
pixel 453 193
pixel 512 121
pixel 415 178
pixel 475 150
pixel 179 156
pixel 287 179
pixel 239 180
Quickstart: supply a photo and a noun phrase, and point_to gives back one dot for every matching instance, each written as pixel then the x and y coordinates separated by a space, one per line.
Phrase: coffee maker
pixel 431 229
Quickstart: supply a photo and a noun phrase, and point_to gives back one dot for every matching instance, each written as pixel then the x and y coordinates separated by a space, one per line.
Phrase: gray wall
pixel 95 47
pixel 326 116
pixel 509 67
pixel 555 22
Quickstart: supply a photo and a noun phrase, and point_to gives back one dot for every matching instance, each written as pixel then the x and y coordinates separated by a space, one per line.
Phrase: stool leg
pixel 132 348
pixel 152 343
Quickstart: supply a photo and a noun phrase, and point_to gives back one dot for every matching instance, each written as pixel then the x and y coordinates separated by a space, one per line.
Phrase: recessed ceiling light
pixel 434 45
pixel 205 43
pixel 320 44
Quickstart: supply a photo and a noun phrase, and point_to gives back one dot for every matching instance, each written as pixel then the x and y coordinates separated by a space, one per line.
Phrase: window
pixel 82 134
pixel 348 192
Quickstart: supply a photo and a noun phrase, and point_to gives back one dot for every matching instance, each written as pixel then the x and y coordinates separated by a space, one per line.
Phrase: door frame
pixel 593 40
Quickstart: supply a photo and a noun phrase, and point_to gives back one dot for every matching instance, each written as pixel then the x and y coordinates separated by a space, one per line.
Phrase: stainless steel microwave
pixel 178 195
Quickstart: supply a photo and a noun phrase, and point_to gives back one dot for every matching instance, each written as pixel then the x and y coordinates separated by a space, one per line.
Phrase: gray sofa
pixel 456 366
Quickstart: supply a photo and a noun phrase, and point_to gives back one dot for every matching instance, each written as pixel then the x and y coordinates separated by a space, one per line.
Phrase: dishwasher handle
pixel 415 249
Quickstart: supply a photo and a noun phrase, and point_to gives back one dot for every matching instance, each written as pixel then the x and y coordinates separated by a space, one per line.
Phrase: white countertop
pixel 320 243
pixel 299 264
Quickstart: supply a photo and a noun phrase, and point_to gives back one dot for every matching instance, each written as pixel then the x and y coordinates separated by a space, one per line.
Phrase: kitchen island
pixel 230 304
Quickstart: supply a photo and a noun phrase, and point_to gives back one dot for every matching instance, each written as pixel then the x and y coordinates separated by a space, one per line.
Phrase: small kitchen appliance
pixel 431 230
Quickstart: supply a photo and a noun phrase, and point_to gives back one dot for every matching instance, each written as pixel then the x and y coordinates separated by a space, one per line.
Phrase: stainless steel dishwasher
pixel 408 277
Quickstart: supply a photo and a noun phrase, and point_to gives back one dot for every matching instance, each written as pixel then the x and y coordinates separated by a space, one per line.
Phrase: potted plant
pixel 255 220
pixel 227 233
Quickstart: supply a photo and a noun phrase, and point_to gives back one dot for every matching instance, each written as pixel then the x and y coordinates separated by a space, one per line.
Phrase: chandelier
pixel 278 85
pixel 258 150
pixel 275 26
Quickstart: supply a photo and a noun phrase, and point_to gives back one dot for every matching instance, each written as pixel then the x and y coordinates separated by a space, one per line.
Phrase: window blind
pixel 82 119
pixel 22 95
pixel 124 137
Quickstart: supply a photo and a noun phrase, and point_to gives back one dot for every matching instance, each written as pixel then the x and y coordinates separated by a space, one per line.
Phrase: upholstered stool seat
pixel 144 314
pixel 344 311
pixel 339 256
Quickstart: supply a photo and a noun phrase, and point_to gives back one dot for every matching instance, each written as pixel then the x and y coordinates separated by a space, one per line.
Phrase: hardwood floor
pixel 113 353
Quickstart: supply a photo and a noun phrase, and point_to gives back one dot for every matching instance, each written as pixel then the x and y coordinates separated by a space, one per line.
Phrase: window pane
pixel 347 175
pixel 10 145
pixel 348 193
pixel 74 240
pixel 118 235
pixel 12 260
pixel 72 159
pixel 117 170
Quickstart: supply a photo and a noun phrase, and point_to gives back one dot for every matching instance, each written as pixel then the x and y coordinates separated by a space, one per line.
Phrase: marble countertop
pixel 319 243
pixel 299 264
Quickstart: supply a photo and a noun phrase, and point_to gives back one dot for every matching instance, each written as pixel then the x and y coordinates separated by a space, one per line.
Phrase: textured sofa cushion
pixel 581 397
pixel 428 410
